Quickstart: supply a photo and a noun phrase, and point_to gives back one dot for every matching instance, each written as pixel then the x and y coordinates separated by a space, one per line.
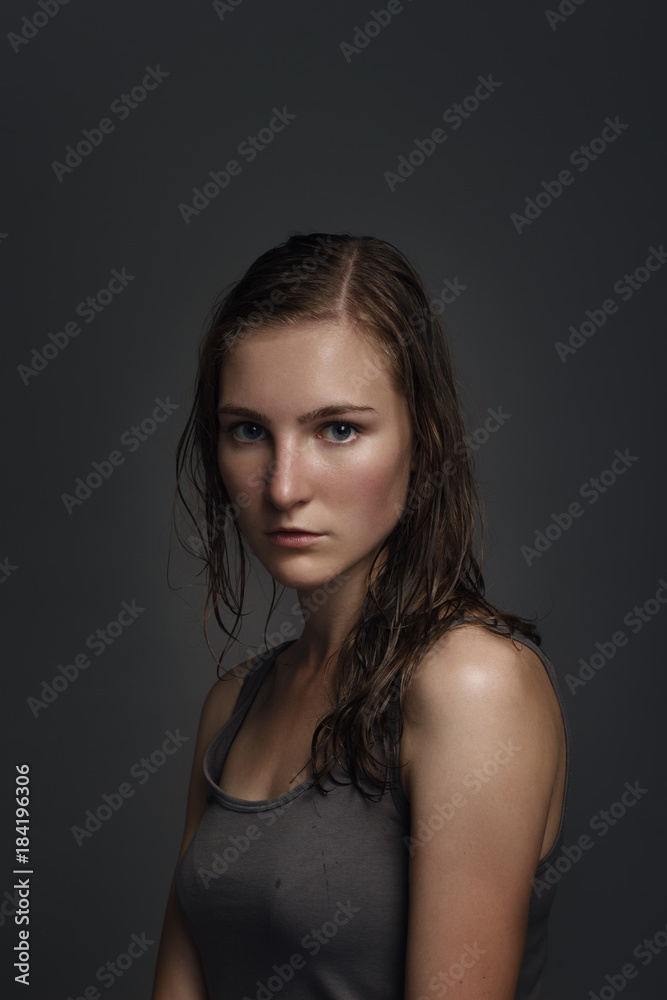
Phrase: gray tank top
pixel 306 895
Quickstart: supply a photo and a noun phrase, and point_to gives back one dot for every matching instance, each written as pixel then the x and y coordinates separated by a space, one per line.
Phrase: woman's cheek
pixel 233 485
pixel 374 486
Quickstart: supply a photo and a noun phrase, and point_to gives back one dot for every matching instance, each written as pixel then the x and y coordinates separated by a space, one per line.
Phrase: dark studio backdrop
pixel 516 155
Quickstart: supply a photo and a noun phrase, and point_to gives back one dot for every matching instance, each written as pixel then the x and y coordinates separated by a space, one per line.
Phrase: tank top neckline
pixel 246 698
pixel 244 701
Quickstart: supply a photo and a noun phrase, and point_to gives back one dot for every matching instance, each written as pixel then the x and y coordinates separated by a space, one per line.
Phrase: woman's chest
pixel 321 876
pixel 270 752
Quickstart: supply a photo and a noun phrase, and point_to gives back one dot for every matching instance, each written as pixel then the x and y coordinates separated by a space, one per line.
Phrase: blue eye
pixel 254 439
pixel 246 423
pixel 345 425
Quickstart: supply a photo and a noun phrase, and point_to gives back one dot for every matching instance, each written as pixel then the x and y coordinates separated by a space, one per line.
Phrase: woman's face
pixel 342 474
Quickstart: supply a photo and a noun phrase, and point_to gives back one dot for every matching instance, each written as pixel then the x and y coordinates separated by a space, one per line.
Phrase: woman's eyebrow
pixel 324 411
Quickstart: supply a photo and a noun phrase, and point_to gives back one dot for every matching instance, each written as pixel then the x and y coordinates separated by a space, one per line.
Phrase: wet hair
pixel 431 580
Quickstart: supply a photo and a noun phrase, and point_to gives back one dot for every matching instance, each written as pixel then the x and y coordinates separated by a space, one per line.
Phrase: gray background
pixel 452 217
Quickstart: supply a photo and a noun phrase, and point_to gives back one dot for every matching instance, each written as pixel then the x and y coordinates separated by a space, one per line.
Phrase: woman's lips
pixel 293 539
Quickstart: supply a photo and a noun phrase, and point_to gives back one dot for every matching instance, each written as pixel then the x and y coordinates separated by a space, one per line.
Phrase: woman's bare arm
pixel 482 750
pixel 178 972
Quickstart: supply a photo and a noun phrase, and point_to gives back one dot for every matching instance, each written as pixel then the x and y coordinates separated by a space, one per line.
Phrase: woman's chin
pixel 294 572
pixel 297 579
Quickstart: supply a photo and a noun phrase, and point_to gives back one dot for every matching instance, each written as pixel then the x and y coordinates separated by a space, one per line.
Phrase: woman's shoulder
pixel 468 660
pixel 473 678
pixel 471 691
pixel 222 697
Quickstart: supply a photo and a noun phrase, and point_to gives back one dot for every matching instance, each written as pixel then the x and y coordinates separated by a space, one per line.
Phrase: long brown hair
pixel 431 580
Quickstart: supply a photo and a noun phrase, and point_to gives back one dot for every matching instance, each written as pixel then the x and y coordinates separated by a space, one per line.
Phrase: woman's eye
pixel 346 428
pixel 246 432
pixel 255 427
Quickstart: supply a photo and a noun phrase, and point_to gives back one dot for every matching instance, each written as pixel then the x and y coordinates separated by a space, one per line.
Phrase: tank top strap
pixel 252 680
pixel 216 752
pixel 255 673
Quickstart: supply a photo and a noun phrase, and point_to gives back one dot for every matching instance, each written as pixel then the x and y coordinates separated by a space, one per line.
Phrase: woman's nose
pixel 289 476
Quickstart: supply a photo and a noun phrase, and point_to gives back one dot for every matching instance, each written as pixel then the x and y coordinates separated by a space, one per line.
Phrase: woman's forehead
pixel 323 352
pixel 286 370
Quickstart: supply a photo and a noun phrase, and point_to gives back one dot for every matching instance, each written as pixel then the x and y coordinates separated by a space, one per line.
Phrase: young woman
pixel 374 803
